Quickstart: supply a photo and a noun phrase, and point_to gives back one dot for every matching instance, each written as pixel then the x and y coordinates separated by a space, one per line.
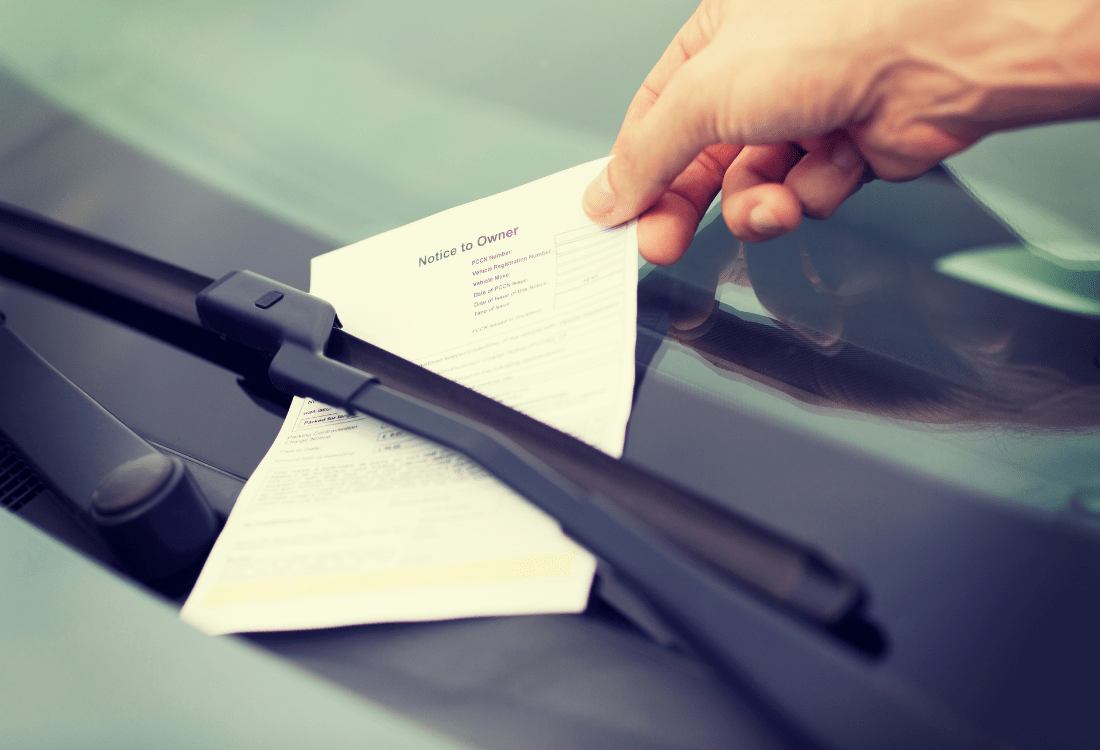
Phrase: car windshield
pixel 906 385
pixel 917 324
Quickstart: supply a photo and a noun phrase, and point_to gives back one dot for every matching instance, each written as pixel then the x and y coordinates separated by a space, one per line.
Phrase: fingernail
pixel 845 157
pixel 599 201
pixel 763 221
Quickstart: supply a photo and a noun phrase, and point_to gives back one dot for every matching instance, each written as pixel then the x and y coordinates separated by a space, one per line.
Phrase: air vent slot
pixel 18 484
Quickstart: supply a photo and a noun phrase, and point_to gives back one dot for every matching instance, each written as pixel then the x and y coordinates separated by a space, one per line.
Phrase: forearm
pixel 972 67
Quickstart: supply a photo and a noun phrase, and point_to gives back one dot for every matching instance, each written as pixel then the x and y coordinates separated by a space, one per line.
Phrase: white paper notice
pixel 348 520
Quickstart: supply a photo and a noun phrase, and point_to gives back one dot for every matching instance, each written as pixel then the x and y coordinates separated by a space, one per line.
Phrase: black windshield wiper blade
pixel 160 299
pixel 681 551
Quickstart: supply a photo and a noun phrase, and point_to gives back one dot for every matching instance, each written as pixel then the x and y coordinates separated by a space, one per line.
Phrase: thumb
pixel 656 148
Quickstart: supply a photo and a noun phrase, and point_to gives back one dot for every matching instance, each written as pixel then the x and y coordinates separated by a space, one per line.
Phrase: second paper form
pixel 349 520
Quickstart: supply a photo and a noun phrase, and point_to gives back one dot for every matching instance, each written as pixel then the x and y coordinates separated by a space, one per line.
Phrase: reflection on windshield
pixel 863 321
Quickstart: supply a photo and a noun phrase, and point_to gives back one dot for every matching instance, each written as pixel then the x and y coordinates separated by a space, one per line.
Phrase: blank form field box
pixel 590 263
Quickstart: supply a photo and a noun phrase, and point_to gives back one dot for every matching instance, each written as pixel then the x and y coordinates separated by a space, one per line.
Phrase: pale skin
pixel 788 106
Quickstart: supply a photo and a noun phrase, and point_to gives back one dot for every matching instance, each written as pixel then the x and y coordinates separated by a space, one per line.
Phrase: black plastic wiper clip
pixel 289 326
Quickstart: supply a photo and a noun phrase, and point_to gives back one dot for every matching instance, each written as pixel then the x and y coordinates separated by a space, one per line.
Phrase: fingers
pixel 910 155
pixel 666 229
pixel 762 212
pixel 768 189
pixel 668 226
pixel 755 203
pixel 826 176
pixel 666 166
pixel 656 148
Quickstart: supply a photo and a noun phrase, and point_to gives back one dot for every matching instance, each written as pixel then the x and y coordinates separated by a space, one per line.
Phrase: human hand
pixel 786 106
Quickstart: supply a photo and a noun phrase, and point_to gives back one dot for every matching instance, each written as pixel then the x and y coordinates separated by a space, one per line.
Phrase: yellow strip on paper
pixel 519 568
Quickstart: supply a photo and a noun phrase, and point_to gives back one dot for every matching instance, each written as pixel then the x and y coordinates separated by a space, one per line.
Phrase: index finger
pixel 692 37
